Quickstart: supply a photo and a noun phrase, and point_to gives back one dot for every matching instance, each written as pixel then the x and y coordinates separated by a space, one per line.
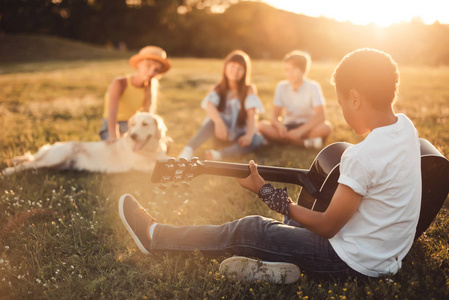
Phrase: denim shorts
pixel 292 126
pixel 104 134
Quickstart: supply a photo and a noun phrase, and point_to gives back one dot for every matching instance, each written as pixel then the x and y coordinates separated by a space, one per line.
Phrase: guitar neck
pixel 172 170
pixel 277 174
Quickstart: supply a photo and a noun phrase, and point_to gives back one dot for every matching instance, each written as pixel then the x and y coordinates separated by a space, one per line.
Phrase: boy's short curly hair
pixel 371 72
pixel 299 59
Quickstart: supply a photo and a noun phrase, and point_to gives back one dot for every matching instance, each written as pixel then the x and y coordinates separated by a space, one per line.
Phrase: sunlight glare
pixel 380 12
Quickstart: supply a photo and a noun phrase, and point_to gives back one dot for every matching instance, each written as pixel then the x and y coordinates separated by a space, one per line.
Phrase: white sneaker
pixel 316 143
pixel 213 155
pixel 248 269
pixel 186 153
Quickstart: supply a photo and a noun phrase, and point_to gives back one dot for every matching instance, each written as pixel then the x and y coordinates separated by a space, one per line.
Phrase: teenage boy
pixel 370 223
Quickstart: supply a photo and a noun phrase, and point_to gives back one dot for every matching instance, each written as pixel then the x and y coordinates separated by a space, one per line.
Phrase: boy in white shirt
pixel 300 102
pixel 370 223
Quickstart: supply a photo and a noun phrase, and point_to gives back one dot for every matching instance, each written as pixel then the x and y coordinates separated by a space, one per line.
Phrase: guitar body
pixel 325 171
pixel 435 185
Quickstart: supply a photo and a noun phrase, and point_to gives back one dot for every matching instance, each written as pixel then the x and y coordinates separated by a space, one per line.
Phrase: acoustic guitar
pixel 320 181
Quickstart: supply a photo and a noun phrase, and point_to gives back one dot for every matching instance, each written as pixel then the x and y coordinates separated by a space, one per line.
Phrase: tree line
pixel 212 28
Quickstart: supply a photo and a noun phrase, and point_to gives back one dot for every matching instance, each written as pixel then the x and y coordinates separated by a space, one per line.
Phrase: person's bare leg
pixel 323 130
pixel 270 132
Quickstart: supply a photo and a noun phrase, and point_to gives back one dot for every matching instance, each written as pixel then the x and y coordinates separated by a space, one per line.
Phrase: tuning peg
pixel 174 185
pixel 194 159
pixel 163 186
pixel 186 184
pixel 182 159
pixel 171 160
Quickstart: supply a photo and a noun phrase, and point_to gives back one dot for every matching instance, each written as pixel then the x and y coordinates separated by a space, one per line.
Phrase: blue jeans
pixel 207 131
pixel 257 236
pixel 104 134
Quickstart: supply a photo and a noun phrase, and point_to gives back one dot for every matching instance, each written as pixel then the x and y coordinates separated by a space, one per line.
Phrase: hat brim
pixel 135 59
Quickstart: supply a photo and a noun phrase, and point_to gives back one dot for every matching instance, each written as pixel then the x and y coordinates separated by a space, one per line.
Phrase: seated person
pixel 232 108
pixel 128 94
pixel 304 121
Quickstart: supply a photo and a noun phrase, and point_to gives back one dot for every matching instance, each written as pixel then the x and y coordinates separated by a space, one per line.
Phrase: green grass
pixel 60 233
pixel 24 53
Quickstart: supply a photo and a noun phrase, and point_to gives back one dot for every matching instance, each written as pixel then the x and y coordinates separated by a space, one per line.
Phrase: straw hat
pixel 154 53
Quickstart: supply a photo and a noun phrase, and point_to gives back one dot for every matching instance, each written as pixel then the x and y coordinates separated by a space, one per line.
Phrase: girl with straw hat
pixel 135 92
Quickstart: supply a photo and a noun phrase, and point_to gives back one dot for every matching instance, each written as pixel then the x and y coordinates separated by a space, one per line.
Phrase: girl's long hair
pixel 222 87
pixel 154 93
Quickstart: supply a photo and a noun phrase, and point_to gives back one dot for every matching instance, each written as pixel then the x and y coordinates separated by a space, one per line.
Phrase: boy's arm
pixel 277 112
pixel 326 224
pixel 280 127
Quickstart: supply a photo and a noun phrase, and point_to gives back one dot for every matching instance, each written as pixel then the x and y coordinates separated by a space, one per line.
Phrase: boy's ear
pixel 355 98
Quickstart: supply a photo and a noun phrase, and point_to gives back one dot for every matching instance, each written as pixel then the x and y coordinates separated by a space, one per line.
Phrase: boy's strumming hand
pixel 254 182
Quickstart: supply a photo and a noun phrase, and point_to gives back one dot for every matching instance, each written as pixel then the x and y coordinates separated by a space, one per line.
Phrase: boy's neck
pixel 296 85
pixel 377 119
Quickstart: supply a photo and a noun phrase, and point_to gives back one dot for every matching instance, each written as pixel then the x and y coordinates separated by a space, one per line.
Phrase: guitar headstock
pixel 176 171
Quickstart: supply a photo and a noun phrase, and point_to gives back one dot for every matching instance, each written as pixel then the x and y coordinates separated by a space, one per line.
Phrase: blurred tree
pixel 212 28
pixel 28 16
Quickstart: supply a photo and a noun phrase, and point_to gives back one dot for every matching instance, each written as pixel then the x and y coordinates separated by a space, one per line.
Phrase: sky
pixel 362 12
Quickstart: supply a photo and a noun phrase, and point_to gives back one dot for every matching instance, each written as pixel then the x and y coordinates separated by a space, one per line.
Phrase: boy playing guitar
pixel 371 220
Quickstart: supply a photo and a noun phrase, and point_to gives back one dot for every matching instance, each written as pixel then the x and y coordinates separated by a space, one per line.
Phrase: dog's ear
pixel 161 127
pixel 130 121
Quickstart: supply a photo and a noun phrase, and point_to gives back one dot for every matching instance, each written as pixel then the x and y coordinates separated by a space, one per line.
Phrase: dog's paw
pixel 21 159
pixel 8 171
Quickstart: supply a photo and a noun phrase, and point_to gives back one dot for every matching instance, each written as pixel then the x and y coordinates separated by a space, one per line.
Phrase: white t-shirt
pixel 386 170
pixel 299 105
pixel 231 112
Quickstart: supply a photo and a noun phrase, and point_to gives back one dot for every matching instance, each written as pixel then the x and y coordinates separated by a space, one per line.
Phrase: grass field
pixel 60 233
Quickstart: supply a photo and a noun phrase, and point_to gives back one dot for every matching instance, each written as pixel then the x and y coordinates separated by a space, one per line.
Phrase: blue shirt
pixel 231 112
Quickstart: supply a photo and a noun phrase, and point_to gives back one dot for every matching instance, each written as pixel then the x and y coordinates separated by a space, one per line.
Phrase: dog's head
pixel 146 129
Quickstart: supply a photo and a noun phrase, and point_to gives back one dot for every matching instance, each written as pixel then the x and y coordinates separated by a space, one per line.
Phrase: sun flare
pixel 380 12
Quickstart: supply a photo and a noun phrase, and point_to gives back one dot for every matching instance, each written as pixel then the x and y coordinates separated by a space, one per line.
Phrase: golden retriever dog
pixel 143 144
